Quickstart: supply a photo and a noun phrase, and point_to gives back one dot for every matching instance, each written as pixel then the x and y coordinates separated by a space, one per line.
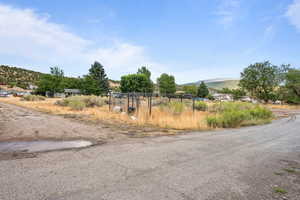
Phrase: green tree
pixel 202 90
pixel 134 83
pixel 147 73
pixel 144 70
pixel 261 80
pixel 190 89
pixel 166 84
pixel 96 82
pixel 290 92
pixel 52 82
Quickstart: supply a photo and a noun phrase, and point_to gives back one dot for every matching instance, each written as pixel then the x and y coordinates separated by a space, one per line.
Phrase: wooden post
pixel 128 103
pixel 109 102
pixel 193 104
pixel 150 109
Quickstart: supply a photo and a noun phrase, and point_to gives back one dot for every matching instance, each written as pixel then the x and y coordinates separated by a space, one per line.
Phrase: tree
pixel 261 80
pixel 202 90
pixel 134 83
pixel 190 89
pixel 96 82
pixel 52 82
pixel 166 84
pixel 144 70
pixel 290 92
pixel 147 73
pixel 236 93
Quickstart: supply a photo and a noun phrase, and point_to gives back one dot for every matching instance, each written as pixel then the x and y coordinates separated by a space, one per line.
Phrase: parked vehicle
pixel 3 94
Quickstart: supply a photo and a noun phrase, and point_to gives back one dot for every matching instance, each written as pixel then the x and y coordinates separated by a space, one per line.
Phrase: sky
pixel 190 39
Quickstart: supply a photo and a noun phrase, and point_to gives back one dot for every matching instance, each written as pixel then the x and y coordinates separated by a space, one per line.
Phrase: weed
pixel 279 190
pixel 289 170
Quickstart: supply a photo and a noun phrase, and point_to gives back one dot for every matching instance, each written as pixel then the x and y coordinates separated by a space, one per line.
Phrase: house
pixel 72 92
pixel 222 97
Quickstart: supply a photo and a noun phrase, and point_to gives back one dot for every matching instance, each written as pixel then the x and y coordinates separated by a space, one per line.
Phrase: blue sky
pixel 191 39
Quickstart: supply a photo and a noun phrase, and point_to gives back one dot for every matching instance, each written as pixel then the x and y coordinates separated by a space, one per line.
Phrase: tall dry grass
pixel 164 118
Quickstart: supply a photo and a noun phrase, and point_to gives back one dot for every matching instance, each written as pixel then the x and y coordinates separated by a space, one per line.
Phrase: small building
pixel 72 92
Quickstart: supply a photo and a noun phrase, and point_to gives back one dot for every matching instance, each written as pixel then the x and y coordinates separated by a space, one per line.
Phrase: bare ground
pixel 17 123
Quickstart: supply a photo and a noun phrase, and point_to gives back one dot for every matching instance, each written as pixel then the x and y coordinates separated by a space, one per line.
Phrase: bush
pixel 33 98
pixel 235 114
pixel 81 102
pixel 77 105
pixel 200 105
pixel 212 121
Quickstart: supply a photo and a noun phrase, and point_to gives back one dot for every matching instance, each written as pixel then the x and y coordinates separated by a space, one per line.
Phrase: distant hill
pixel 16 76
pixel 218 84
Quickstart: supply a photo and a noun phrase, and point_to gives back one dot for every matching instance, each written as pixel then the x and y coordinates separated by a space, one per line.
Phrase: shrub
pixel 33 98
pixel 200 105
pixel 235 114
pixel 81 102
pixel 212 121
pixel 77 105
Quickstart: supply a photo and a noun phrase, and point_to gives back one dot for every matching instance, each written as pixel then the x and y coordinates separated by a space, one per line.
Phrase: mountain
pixel 219 83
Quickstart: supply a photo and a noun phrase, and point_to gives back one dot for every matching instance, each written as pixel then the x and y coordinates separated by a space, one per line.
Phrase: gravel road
pixel 248 163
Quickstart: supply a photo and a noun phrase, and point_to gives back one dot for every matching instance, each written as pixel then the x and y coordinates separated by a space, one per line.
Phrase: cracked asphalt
pixel 227 164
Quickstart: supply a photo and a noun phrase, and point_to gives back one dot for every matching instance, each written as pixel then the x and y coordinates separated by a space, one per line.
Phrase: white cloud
pixel 26 35
pixel 293 14
pixel 227 12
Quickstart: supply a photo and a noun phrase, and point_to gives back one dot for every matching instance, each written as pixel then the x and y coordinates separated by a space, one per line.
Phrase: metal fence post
pixel 193 104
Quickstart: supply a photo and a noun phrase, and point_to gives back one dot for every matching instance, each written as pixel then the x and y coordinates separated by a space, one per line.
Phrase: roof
pixel 72 91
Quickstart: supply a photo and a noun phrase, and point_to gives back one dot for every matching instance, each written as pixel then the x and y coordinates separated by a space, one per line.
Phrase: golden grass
pixel 187 120
pixel 285 106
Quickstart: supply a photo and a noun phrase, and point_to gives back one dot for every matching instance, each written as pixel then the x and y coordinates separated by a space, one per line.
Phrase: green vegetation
pixel 290 92
pixel 235 114
pixel 174 107
pixel 279 190
pixel 218 85
pixel 200 105
pixel 190 89
pixel 290 170
pixel 96 82
pixel 33 98
pixel 261 80
pixel 236 93
pixel 14 76
pixel 139 82
pixel 166 84
pixel 202 90
pixel 81 102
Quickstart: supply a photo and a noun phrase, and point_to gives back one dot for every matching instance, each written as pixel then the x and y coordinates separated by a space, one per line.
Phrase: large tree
pixel 53 82
pixel 166 84
pixel 261 80
pixel 147 73
pixel 96 82
pixel 202 90
pixel 134 83
pixel 290 92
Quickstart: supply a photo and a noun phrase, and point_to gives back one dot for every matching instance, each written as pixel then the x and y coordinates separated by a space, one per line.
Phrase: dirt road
pixel 261 162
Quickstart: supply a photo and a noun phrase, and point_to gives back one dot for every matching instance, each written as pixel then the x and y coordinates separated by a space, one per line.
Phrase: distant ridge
pixel 219 83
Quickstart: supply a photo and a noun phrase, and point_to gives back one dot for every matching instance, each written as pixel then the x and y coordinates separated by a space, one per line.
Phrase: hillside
pixel 20 77
pixel 218 84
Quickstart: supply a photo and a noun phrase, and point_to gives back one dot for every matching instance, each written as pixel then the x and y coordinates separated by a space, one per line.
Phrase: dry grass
pixel 187 120
pixel 284 107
